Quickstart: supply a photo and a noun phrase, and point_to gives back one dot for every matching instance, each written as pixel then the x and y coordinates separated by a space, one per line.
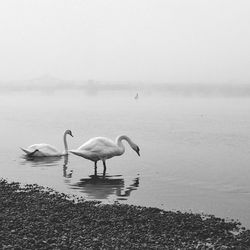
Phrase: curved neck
pixel 65 143
pixel 120 144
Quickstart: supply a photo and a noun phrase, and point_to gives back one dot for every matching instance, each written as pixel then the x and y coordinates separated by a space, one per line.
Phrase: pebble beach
pixel 34 217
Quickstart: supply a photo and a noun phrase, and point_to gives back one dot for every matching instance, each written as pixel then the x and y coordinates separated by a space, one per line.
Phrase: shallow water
pixel 195 152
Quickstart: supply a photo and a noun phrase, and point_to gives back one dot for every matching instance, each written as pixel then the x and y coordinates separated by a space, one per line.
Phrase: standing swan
pixel 102 148
pixel 46 150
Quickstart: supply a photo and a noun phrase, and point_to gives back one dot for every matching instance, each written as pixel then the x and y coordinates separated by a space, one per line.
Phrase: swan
pixel 46 150
pixel 102 148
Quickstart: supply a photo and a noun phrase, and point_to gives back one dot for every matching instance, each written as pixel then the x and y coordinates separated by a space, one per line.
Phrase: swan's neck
pixel 65 144
pixel 120 144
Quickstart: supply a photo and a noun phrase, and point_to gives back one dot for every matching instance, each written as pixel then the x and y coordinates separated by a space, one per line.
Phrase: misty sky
pixel 127 40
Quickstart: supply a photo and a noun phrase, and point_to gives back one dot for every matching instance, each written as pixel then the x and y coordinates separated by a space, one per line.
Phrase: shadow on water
pixel 102 187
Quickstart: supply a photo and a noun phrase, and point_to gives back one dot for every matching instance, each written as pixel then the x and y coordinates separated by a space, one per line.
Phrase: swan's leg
pixel 104 167
pixel 95 168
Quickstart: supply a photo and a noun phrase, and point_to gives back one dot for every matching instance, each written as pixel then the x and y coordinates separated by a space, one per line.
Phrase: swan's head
pixel 68 132
pixel 136 149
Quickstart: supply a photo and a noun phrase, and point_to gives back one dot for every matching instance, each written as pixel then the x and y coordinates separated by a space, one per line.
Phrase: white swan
pixel 102 148
pixel 46 150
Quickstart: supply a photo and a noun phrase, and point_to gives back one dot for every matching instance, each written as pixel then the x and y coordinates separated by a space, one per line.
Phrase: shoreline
pixel 34 217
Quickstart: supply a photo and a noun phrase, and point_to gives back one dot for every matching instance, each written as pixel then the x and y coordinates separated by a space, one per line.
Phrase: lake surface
pixel 195 152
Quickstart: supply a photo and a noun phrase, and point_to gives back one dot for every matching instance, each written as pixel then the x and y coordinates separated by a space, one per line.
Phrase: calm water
pixel 195 152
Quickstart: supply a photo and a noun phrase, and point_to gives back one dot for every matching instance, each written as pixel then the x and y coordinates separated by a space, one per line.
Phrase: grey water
pixel 195 151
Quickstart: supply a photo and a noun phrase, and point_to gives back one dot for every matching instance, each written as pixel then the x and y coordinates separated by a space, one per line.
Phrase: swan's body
pixel 102 148
pixel 46 150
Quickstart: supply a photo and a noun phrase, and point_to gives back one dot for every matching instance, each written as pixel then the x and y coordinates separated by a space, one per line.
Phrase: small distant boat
pixel 136 96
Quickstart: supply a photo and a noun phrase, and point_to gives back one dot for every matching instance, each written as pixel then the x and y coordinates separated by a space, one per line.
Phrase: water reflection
pixel 49 162
pixel 94 186
pixel 43 161
pixel 66 172
pixel 102 187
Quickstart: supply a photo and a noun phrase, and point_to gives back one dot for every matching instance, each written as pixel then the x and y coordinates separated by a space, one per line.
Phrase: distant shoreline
pixel 181 89
pixel 33 217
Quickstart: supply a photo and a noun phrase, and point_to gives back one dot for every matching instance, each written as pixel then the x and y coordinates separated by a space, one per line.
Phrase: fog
pixel 163 41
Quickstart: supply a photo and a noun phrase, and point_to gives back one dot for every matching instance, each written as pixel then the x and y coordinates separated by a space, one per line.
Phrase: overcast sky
pixel 127 40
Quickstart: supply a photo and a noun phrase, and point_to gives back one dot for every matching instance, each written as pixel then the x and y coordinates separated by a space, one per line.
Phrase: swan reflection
pixel 102 187
pixel 51 161
pixel 67 173
pixel 42 161
pixel 96 186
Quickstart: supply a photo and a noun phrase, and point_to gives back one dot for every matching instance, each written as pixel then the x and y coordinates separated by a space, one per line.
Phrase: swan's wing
pixel 44 149
pixel 29 152
pixel 101 146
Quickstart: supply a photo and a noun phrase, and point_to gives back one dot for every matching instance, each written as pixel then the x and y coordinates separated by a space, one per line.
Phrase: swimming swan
pixel 46 150
pixel 102 148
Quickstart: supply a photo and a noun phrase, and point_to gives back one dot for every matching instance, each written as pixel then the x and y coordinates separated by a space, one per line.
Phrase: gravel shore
pixel 33 217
